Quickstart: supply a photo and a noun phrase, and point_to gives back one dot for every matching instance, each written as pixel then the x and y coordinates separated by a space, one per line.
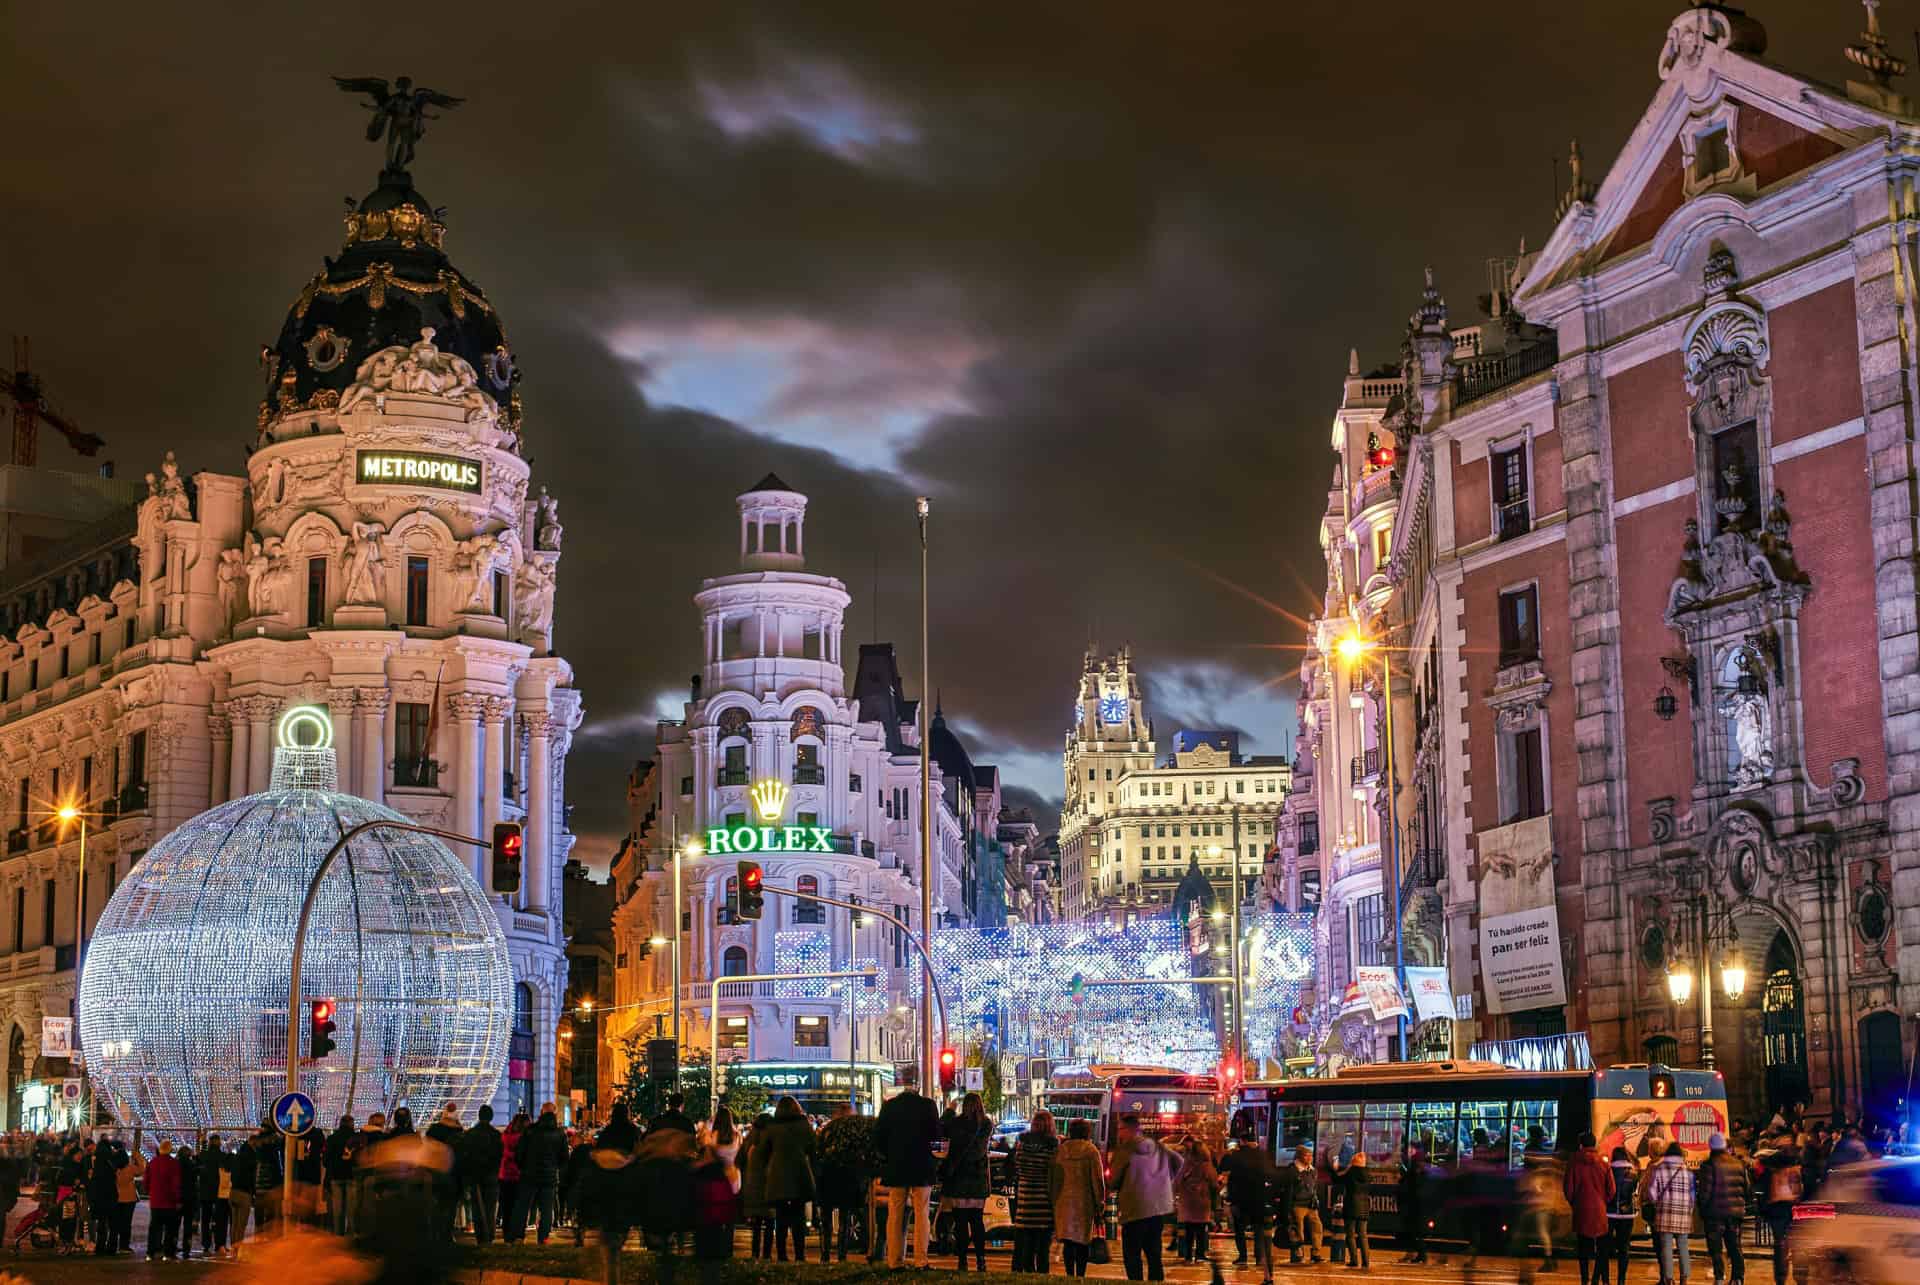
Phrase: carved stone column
pixel 260 712
pixel 539 838
pixel 371 704
pixel 220 733
pixel 342 704
pixel 240 756
pixel 466 710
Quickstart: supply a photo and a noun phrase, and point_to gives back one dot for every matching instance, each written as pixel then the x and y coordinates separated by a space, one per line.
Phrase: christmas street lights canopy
pixel 183 999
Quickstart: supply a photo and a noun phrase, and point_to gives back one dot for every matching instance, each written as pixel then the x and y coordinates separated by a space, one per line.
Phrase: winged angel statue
pixel 399 110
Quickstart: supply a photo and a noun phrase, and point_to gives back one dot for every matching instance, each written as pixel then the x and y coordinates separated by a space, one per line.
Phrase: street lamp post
pixel 68 813
pixel 921 507
pixel 1733 975
pixel 1353 648
pixel 1237 1030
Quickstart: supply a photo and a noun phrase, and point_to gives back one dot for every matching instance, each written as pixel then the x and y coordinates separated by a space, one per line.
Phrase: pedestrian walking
pixel 1670 1191
pixel 1079 1190
pixel 1414 1186
pixel 336 1167
pixel 1193 1194
pixel 674 1117
pixel 164 1199
pixel 215 1182
pixel 1723 1189
pixel 103 1194
pixel 842 1173
pixel 753 1187
pixel 542 1154
pixel 1623 1208
pixel 609 1192
pixel 789 1177
pixel 1356 1207
pixel 1589 1186
pixel 1144 1172
pixel 905 1132
pixel 1252 1178
pixel 1033 1157
pixel 446 1130
pixel 965 1182
pixel 1781 1187
pixel 510 1175
pixel 716 1206
pixel 663 1174
pixel 1300 1199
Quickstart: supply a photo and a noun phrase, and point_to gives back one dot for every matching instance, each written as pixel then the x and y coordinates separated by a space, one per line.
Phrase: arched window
pixel 804 911
pixel 734 962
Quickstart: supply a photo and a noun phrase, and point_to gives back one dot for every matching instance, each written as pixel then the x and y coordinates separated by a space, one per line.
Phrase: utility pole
pixel 927 1052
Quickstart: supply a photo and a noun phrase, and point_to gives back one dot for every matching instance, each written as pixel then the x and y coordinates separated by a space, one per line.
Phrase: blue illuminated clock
pixel 1113 709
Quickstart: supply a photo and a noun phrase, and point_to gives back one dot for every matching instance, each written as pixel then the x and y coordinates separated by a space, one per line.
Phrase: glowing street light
pixel 1733 974
pixel 1680 983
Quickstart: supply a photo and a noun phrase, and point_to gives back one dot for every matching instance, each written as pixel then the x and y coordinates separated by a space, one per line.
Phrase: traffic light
pixel 1229 1075
pixel 320 1029
pixel 663 1063
pixel 949 1069
pixel 507 842
pixel 752 895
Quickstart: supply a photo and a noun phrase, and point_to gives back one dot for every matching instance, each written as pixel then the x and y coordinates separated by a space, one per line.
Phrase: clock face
pixel 1113 709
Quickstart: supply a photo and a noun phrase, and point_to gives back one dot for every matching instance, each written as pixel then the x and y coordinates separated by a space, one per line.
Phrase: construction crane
pixel 30 407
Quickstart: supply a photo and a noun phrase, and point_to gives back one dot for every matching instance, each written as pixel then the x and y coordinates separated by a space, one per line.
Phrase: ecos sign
pixel 419 468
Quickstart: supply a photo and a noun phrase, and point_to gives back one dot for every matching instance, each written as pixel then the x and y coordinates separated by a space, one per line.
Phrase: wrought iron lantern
pixel 1664 705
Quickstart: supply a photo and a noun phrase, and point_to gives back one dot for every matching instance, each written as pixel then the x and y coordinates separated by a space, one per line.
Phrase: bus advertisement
pixel 1169 1103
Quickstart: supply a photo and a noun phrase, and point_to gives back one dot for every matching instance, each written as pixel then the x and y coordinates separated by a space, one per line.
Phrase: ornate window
pixel 733 963
pixel 805 911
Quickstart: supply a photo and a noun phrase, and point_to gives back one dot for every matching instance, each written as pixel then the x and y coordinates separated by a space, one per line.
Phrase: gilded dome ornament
pixel 326 350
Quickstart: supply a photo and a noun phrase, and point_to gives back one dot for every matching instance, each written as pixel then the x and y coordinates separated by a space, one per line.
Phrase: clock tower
pixel 1110 736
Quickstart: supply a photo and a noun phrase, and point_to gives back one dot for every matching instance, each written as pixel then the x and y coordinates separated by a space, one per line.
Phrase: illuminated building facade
pixel 780 761
pixel 1132 827
pixel 383 556
pixel 1648 593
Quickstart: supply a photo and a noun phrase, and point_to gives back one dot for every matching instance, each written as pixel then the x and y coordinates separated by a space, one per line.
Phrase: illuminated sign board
pixel 770 838
pixel 418 468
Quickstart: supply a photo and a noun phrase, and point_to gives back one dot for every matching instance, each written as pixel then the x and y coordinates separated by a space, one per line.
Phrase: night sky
pixel 1087 274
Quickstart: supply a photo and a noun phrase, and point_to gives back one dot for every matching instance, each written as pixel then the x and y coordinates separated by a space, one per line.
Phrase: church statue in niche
pixel 1749 720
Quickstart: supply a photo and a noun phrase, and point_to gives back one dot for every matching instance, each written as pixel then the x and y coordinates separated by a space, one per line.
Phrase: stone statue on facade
pixel 170 489
pixel 423 369
pixel 399 112
pixel 231 574
pixel 266 573
pixel 366 574
pixel 474 563
pixel 533 593
pixel 547 528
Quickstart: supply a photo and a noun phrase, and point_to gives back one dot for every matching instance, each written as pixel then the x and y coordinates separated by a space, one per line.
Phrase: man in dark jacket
pixel 336 1165
pixel 446 1131
pixel 905 1131
pixel 103 1193
pixel 1299 1193
pixel 211 1169
pixel 478 1156
pixel 1251 1175
pixel 542 1155
pixel 1722 1189
pixel 674 1117
pixel 243 1168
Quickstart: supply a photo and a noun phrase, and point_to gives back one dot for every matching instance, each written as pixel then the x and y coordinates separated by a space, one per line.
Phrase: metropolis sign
pixel 420 468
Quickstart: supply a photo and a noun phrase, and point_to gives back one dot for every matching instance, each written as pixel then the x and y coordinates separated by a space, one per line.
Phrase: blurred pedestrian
pixel 510 1175
pixel 1144 1172
pixel 790 1182
pixel 905 1132
pixel 1588 1186
pixel 1781 1187
pixel 103 1194
pixel 1300 1200
pixel 403 1183
pixel 1193 1194
pixel 336 1166
pixel 1079 1191
pixel 1622 1209
pixel 674 1117
pixel 1033 1157
pixel 477 1162
pixel 1356 1208
pixel 542 1154
pixel 753 1187
pixel 1671 1192
pixel 1723 1190
pixel 1414 1185
pixel 164 1199
pixel 609 1188
pixel 1251 1182
pixel 965 1180
pixel 663 1180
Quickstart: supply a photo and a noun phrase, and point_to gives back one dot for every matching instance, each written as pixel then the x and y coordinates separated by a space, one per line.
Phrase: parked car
pixel 1865 1227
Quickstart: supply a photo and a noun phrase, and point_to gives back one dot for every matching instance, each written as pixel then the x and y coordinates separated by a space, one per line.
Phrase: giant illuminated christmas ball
pixel 183 999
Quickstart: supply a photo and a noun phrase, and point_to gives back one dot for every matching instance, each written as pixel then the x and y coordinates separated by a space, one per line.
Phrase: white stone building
pixel 771 704
pixel 1133 826
pixel 381 557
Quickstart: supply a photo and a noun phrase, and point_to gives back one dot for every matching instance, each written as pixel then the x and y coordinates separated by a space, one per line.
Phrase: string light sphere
pixel 183 998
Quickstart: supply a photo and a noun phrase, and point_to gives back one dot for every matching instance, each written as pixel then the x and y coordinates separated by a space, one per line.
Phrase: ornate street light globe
pixel 183 996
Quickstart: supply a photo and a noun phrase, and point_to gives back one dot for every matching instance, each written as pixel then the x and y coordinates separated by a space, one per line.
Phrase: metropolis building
pixel 774 742
pixel 383 555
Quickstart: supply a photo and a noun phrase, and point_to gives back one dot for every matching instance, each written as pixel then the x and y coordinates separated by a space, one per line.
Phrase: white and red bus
pixel 1168 1102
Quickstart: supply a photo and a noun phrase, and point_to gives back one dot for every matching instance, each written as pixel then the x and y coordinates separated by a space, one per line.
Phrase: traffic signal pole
pixel 299 954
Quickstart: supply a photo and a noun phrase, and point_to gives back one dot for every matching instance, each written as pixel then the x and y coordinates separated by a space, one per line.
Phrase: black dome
pixel 391 281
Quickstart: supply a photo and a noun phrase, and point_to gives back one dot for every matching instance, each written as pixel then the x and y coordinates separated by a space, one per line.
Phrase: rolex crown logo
pixel 769 799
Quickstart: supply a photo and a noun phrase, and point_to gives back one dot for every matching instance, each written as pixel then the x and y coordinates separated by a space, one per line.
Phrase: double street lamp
pixel 1733 976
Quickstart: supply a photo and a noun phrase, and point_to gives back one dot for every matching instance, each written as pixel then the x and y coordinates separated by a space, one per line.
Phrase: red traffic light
pixel 323 1010
pixel 510 843
pixel 949 1063
pixel 320 1028
pixel 947 1059
pixel 752 876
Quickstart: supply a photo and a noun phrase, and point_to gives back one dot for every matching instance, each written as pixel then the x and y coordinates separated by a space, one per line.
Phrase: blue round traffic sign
pixel 293 1114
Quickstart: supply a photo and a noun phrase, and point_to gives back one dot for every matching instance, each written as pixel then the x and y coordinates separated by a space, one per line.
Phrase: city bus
pixel 1442 1106
pixel 1169 1102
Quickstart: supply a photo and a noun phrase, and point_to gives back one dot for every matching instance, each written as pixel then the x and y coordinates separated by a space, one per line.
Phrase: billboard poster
pixel 1519 923
pixel 1432 998
pixel 56 1037
pixel 1381 992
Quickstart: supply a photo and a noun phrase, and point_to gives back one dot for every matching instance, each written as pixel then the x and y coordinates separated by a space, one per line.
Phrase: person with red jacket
pixel 1589 1185
pixel 166 1197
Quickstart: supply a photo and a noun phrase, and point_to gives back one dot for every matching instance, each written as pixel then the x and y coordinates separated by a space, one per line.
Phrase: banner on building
pixel 56 1037
pixel 1382 993
pixel 1432 998
pixel 1519 923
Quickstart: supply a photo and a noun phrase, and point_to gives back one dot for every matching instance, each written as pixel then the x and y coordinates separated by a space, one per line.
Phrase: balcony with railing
pixel 809 774
pixel 1514 518
pixel 1485 376
pixel 1365 768
pixel 1376 487
pixel 733 776
pixel 416 774
pixel 132 800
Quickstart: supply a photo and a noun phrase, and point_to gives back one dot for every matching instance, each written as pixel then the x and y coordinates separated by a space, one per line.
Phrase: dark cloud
pixel 1085 274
